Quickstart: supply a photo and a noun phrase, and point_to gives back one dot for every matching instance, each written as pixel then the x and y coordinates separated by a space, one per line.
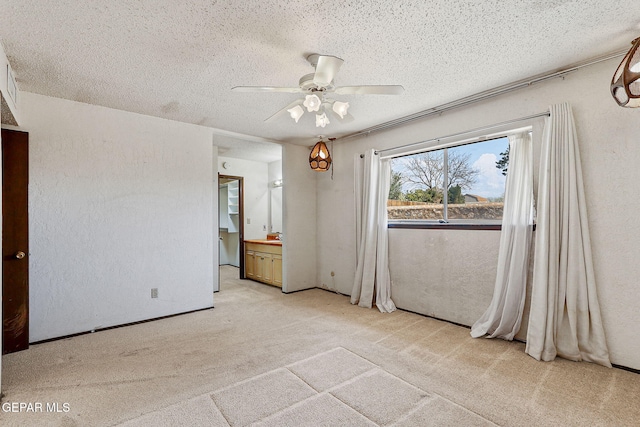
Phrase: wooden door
pixel 15 241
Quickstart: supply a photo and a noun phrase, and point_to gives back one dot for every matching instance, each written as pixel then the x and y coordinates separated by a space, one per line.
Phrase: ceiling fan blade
pixel 284 111
pixel 266 89
pixel 326 69
pixel 370 90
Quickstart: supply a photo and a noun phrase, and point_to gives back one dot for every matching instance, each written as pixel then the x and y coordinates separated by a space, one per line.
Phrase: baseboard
pixel 118 326
pixel 299 290
pixel 332 291
pixel 624 368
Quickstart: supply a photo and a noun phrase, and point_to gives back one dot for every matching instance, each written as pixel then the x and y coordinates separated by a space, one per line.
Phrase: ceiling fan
pixel 316 86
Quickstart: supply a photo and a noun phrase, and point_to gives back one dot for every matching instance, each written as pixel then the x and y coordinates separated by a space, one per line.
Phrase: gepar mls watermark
pixel 55 407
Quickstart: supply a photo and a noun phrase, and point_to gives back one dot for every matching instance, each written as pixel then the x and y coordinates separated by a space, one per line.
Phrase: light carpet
pixel 334 388
pixel 307 358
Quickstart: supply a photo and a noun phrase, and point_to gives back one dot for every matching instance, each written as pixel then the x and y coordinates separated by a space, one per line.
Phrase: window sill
pixel 432 225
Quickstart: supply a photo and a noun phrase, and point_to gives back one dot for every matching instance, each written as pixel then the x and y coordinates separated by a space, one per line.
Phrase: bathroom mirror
pixel 275 209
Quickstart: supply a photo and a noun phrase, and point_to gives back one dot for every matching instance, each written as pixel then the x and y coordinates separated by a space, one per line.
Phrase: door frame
pixel 240 180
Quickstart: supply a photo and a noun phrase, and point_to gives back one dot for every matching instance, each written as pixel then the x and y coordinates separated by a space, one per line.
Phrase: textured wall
pixel 299 214
pixel 443 273
pixel 610 155
pixel 119 203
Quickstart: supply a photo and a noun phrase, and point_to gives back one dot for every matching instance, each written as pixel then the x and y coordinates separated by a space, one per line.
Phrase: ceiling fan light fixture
pixel 296 112
pixel 322 120
pixel 320 158
pixel 315 86
pixel 340 108
pixel 625 85
pixel 312 102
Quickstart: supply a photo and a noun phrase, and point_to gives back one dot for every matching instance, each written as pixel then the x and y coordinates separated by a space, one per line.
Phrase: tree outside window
pixel 473 182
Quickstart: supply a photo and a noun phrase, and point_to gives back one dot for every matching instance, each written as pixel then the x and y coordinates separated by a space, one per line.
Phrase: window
pixel 473 174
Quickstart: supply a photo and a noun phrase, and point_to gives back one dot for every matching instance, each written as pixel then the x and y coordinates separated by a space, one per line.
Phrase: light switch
pixel 248 220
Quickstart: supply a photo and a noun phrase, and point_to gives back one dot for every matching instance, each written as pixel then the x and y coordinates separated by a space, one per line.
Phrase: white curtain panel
pixel 503 317
pixel 565 315
pixel 372 181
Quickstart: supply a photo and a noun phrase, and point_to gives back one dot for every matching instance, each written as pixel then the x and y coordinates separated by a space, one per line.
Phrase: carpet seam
pixel 316 396
pixel 423 402
pixel 219 409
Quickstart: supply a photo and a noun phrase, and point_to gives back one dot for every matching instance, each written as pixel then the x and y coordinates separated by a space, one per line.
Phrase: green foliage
pixel 395 191
pixel 429 196
pixel 455 195
pixel 503 163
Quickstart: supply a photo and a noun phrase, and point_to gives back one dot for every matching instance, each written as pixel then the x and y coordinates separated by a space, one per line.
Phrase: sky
pixel 483 157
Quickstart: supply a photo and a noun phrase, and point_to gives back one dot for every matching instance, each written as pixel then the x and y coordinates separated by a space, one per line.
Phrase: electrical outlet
pixel 264 227
pixel 154 292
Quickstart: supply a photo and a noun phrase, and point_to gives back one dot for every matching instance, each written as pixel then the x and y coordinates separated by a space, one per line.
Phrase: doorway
pixel 15 241
pixel 231 222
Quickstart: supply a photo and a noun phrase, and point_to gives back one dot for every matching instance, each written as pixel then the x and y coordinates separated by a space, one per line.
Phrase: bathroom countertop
pixel 265 242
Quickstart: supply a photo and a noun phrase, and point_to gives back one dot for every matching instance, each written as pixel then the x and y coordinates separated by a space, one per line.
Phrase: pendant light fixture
pixel 320 158
pixel 625 85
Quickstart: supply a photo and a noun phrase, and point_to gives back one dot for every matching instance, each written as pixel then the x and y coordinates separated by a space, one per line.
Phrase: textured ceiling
pixel 179 60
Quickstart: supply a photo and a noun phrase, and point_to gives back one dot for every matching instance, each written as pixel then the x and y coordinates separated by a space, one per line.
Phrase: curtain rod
pixel 485 95
pixel 453 135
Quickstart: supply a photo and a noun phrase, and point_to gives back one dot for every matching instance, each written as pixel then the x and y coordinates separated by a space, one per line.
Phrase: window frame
pixel 445 223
